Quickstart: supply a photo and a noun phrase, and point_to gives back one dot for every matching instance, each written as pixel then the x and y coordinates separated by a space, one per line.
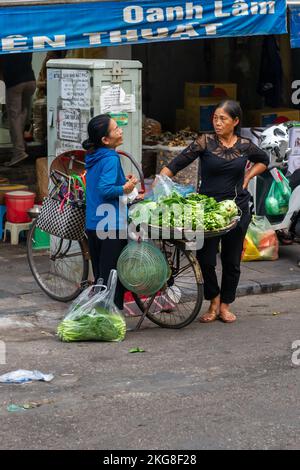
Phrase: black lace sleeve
pixel 185 158
pixel 256 155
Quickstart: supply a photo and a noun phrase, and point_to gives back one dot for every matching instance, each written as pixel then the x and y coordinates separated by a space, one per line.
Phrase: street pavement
pixel 271 276
pixel 19 292
pixel 207 386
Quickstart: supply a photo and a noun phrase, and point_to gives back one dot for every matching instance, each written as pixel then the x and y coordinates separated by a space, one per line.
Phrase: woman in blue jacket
pixel 105 186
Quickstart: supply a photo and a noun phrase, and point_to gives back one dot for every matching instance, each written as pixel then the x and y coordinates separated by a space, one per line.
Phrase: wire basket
pixel 142 268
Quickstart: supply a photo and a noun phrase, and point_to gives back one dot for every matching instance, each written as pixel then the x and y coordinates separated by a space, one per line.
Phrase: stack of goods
pixel 151 132
pixel 176 143
pixel 151 129
pixel 181 138
pixel 270 116
pixel 156 156
pixel 200 102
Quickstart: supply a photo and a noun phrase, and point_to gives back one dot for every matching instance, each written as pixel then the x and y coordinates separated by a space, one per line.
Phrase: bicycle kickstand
pixel 145 313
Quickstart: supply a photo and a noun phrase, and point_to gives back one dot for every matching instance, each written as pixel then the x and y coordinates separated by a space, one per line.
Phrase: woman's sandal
pixel 227 317
pixel 209 317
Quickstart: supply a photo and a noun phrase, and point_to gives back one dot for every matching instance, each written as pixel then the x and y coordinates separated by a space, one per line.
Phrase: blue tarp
pixel 295 26
pixel 69 26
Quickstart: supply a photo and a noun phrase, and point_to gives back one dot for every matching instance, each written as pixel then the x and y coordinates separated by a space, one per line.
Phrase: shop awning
pixel 34 25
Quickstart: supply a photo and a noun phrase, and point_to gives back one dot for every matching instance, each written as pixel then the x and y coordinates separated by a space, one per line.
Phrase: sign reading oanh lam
pixel 69 26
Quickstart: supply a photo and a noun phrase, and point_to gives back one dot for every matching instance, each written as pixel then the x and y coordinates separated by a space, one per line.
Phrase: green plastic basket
pixel 142 268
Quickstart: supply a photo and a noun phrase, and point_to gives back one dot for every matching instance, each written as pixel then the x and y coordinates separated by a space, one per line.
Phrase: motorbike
pixel 275 142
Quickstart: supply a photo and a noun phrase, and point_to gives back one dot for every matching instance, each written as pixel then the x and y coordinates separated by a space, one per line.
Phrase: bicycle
pixel 62 269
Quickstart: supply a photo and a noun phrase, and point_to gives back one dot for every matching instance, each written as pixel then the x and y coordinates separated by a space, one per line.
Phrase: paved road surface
pixel 204 387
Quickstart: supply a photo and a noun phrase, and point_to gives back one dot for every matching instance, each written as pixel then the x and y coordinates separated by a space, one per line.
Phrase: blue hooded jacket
pixel 104 185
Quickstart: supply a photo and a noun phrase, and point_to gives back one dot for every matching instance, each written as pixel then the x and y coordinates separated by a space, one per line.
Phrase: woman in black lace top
pixel 224 156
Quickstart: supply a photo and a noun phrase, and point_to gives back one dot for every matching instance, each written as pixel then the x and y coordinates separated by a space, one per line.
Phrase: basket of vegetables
pixel 183 216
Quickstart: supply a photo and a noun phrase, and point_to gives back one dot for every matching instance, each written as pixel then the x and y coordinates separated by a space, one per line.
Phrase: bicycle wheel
pixel 61 268
pixel 180 300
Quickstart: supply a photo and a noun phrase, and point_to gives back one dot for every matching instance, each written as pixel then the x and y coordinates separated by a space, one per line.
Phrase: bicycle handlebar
pixel 137 167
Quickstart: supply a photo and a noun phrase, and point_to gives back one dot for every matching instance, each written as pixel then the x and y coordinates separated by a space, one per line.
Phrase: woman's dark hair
pixel 234 110
pixel 97 129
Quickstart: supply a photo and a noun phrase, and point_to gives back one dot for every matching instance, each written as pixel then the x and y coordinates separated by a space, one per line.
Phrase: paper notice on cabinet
pixel 66 89
pixel 113 99
pixel 128 104
pixel 75 89
pixel 64 146
pixel 69 125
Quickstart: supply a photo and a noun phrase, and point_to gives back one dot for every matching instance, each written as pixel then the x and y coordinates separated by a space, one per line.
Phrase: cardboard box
pixel 268 116
pixel 193 102
pixel 199 117
pixel 203 90
pixel 180 122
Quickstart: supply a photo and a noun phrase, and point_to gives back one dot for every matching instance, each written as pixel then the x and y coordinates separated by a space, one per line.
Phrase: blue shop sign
pixel 94 24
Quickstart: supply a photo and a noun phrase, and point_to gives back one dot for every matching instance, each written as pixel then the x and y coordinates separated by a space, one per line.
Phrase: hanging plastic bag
pixel 261 243
pixel 95 317
pixel 163 186
pixel 277 201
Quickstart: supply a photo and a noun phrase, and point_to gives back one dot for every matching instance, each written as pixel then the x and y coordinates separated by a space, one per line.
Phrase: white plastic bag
pixel 164 186
pixel 23 376
pixel 96 318
pixel 84 299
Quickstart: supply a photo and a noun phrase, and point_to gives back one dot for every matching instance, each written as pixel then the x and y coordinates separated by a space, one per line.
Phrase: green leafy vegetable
pixel 136 350
pixel 101 326
pixel 227 208
pixel 195 211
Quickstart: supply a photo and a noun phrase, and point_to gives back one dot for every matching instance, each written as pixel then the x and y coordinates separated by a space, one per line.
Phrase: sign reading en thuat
pixel 76 25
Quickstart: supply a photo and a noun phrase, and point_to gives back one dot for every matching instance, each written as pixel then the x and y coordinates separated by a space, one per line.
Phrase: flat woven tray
pixel 223 231
pixel 179 233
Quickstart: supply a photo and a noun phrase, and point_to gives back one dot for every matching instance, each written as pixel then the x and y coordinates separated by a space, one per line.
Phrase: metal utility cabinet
pixel 78 89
